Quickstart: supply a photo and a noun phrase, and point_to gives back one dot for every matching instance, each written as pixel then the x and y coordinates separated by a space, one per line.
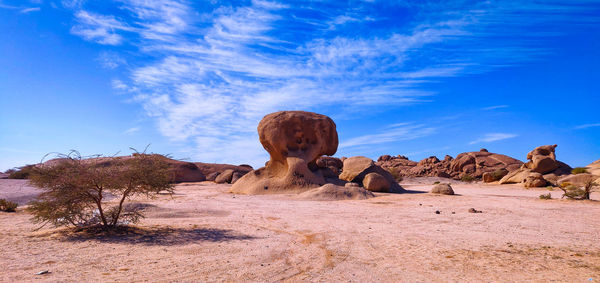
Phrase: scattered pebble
pixel 473 210
pixel 43 272
pixel 437 212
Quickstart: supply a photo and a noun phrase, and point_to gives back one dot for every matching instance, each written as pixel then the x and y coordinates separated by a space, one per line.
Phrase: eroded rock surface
pixel 294 141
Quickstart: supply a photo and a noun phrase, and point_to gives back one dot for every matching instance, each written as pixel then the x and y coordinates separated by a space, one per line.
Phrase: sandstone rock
pixel 294 141
pixel 443 189
pixel 209 168
pixel 212 176
pixel 376 183
pixel 333 192
pixel 534 180
pixel 331 163
pixel 225 177
pixel 543 160
pixel 356 168
pixel 594 168
pixel 236 176
pixel 578 179
pixel 515 177
pixel 494 176
pixel 351 184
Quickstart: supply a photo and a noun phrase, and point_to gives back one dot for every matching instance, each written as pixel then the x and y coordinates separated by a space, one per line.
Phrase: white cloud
pixel 213 75
pixel 492 137
pixel 132 130
pixel 392 133
pixel 585 126
pixel 110 60
pixel 495 107
pixel 29 10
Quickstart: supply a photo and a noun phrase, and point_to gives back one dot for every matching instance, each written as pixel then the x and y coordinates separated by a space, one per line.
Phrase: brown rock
pixel 333 192
pixel 494 176
pixel 294 140
pixel 515 177
pixel 442 189
pixel 236 176
pixel 578 179
pixel 212 176
pixel 225 177
pixel 543 160
pixel 376 183
pixel 209 168
pixel 534 180
pixel 356 168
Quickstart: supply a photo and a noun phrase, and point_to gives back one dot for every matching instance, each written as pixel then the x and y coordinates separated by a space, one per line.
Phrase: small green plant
pixel 550 188
pixel 578 192
pixel 546 196
pixel 436 182
pixel 8 206
pixel 467 178
pixel 579 170
pixel 396 173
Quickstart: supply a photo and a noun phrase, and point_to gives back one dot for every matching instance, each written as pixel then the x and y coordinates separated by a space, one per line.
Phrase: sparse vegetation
pixel 577 192
pixel 436 182
pixel 21 172
pixel 8 206
pixel 467 178
pixel 579 170
pixel 395 173
pixel 78 191
pixel 546 196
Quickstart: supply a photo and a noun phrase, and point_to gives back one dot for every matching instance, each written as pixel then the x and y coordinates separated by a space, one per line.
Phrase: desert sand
pixel 205 233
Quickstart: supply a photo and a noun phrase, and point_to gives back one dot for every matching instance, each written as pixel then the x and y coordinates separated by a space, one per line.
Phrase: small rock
pixel 43 272
pixel 473 210
pixel 437 212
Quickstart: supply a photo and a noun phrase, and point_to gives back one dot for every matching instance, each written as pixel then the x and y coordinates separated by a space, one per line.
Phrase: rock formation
pixel 363 170
pixel 594 168
pixel 541 169
pixel 334 192
pixel 442 189
pixel 474 164
pixel 294 141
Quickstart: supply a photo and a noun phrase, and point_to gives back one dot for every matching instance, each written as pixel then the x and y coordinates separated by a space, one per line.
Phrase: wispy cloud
pixel 132 130
pixel 495 107
pixel 110 60
pixel 213 74
pixel 494 137
pixel 29 10
pixel 585 126
pixel 392 133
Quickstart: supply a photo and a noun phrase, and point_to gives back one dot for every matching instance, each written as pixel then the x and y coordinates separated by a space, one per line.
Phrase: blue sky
pixel 193 78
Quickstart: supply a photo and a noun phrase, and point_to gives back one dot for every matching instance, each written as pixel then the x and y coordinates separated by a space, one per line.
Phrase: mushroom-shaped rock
pixel 376 183
pixel 356 168
pixel 442 189
pixel 294 140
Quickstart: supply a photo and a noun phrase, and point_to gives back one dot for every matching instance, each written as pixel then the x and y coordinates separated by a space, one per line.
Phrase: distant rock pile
pixel 364 171
pixel 541 169
pixel 474 164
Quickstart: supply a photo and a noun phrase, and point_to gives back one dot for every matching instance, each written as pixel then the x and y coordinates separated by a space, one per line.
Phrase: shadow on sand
pixel 154 236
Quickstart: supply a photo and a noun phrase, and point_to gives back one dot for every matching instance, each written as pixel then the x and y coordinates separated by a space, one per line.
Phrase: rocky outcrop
pixel 294 141
pixel 357 168
pixel 334 192
pixel 442 189
pixel 578 179
pixel 225 177
pixel 594 168
pixel 541 169
pixel 474 164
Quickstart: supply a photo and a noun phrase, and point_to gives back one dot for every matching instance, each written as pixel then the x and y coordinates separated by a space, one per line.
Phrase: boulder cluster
pixel 297 142
pixel 477 165
pixel 541 169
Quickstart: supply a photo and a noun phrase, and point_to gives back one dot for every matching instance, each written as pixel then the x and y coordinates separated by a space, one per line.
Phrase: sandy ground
pixel 204 233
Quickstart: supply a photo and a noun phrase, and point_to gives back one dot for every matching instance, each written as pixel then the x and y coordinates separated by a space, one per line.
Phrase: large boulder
pixel 515 177
pixel 534 180
pixel 225 177
pixel 594 168
pixel 294 141
pixel 578 179
pixel 442 189
pixel 542 160
pixel 334 192
pixel 356 169
pixel 376 183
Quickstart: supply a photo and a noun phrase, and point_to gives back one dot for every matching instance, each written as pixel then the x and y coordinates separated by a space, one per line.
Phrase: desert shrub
pixel 395 173
pixel 578 192
pixel 8 206
pixel 579 170
pixel 76 189
pixel 436 182
pixel 546 196
pixel 467 178
pixel 21 172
